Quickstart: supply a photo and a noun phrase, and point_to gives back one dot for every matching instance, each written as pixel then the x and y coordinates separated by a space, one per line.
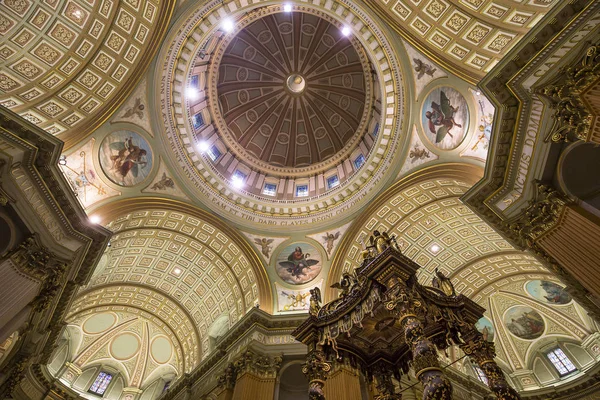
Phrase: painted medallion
pixel 524 322
pixel 126 158
pixel 548 292
pixel 445 117
pixel 486 328
pixel 298 263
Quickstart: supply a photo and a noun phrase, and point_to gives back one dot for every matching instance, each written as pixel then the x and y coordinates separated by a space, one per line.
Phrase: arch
pixel 459 175
pixel 122 207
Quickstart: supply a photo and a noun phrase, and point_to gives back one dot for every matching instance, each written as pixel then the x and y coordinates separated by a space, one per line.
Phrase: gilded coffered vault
pixel 247 158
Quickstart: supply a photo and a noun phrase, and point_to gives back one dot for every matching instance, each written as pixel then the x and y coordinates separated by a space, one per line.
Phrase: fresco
pixel 78 168
pixel 524 322
pixel 480 141
pixel 330 239
pixel 486 328
pixel 548 292
pixel 289 300
pixel 298 263
pixel 125 158
pixel 445 117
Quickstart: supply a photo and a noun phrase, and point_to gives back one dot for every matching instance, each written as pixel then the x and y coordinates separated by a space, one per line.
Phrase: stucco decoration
pixel 290 300
pixel 298 263
pixel 548 292
pixel 524 322
pixel 423 69
pixel 164 183
pixel 331 238
pixel 418 154
pixel 480 138
pixel 445 117
pixel 83 176
pixel 265 245
pixel 125 158
pixel 135 110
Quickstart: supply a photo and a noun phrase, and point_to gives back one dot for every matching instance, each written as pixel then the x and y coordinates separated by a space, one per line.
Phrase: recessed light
pixel 237 182
pixel 346 31
pixel 191 93
pixel 203 146
pixel 478 92
pixel 177 271
pixel 228 25
pixel 77 14
pixel 62 160
pixel 287 7
pixel 435 248
pixel 94 219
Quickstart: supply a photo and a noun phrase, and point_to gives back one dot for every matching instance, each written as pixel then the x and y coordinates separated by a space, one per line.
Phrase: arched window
pixel 561 362
pixel 101 383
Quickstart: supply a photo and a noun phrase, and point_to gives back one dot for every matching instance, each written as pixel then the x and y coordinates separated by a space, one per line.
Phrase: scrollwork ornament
pixel 316 368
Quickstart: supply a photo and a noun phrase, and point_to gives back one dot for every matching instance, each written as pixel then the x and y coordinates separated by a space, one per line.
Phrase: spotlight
pixel 227 25
pixel 435 248
pixel 94 219
pixel 191 93
pixel 287 7
pixel 62 160
pixel 203 146
pixel 177 271
pixel 478 92
pixel 346 31
pixel 77 14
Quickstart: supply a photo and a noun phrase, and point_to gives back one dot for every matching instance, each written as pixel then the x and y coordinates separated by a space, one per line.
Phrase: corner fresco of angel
pixel 445 117
pixel 126 158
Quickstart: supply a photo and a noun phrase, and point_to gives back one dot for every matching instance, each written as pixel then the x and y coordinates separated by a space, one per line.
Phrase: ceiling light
pixel 478 92
pixel 435 248
pixel 346 31
pixel 177 271
pixel 94 219
pixel 287 7
pixel 191 93
pixel 77 14
pixel 227 25
pixel 237 182
pixel 62 160
pixel 203 146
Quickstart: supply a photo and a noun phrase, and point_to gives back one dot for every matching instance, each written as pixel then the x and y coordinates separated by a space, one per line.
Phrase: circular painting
pixel 445 117
pixel 298 263
pixel 548 292
pixel 126 158
pixel 486 328
pixel 524 322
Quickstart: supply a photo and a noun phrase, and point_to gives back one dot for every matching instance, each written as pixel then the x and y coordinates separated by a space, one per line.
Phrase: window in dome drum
pixel 359 161
pixel 301 190
pixel 332 181
pixel 376 130
pixel 213 153
pixel 198 121
pixel 194 81
pixel 270 189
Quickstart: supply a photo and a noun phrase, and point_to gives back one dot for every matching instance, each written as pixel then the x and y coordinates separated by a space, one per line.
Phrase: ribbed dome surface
pixel 291 89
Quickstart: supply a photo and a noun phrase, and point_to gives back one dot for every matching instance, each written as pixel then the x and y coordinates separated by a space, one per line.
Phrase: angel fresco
pixel 441 118
pixel 298 263
pixel 265 245
pixel 125 158
pixel 445 117
pixel 329 240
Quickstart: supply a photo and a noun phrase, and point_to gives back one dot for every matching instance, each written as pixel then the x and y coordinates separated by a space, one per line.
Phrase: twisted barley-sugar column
pixel 425 360
pixel 483 352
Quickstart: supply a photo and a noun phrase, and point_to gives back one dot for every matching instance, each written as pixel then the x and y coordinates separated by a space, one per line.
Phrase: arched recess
pixel 151 304
pixel 439 186
pixel 186 254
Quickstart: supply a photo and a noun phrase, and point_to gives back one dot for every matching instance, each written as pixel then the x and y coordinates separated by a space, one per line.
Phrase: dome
pixel 291 91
